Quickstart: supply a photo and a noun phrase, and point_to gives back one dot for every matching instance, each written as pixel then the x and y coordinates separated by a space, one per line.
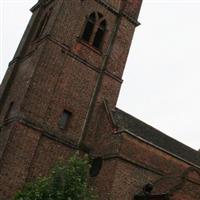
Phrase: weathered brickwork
pixel 48 152
pixel 16 159
pixel 128 180
pixel 56 70
pixel 102 183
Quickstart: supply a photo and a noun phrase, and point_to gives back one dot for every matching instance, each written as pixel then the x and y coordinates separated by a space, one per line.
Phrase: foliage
pixel 66 182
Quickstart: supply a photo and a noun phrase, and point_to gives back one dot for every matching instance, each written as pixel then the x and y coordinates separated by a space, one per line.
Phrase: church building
pixel 59 96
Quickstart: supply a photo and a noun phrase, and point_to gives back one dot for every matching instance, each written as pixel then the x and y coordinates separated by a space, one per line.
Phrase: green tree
pixel 67 181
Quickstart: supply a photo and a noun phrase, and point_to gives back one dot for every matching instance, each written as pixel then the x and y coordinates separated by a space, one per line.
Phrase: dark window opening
pixel 96 166
pixel 94 31
pixel 43 24
pixel 98 38
pixel 88 31
pixel 64 120
pixel 99 35
pixel 89 28
pixel 9 111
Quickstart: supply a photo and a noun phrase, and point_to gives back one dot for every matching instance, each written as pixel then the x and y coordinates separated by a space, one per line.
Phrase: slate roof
pixel 152 135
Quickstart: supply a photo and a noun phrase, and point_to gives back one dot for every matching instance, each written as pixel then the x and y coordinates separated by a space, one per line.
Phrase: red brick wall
pixel 140 163
pixel 48 153
pixel 55 73
pixel 129 179
pixel 17 159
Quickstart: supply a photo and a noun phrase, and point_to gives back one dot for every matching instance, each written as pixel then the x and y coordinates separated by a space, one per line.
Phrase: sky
pixel 161 80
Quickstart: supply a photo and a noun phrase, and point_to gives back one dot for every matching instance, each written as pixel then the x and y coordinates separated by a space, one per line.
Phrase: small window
pixel 64 120
pixel 96 166
pixel 9 111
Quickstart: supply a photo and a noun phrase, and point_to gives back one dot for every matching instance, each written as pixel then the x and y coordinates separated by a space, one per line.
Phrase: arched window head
pixel 89 27
pixel 95 29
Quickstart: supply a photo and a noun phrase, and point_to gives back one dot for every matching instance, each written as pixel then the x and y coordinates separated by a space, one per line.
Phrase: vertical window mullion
pixel 93 34
pixel 99 35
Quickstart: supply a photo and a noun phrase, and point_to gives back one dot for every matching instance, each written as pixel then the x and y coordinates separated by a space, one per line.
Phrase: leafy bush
pixel 67 181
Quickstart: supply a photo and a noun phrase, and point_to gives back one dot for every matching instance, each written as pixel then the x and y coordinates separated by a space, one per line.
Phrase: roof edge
pixel 156 146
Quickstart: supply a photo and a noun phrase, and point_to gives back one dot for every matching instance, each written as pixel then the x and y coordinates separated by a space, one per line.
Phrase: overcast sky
pixel 161 81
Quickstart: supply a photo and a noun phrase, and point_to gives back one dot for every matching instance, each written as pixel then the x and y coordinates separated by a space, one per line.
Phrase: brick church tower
pixel 60 87
pixel 59 96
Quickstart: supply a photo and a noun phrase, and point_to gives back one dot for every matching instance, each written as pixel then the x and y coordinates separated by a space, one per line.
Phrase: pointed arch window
pixel 89 27
pixel 94 30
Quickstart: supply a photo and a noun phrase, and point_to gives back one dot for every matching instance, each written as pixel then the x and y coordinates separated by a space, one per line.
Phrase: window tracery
pixel 94 30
